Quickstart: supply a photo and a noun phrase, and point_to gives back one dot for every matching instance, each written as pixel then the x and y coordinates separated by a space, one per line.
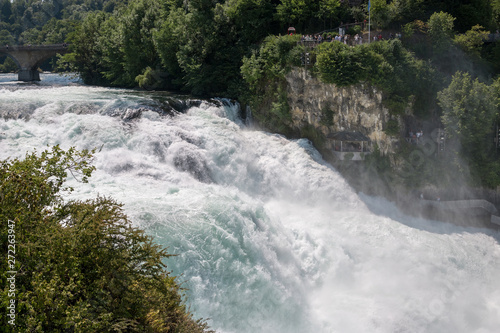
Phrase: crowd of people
pixel 414 138
pixel 347 39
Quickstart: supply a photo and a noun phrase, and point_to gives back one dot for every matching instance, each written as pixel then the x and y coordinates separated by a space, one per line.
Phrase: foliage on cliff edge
pixel 264 72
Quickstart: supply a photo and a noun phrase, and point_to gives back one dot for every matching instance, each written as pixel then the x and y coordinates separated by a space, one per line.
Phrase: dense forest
pixel 199 46
pixel 445 61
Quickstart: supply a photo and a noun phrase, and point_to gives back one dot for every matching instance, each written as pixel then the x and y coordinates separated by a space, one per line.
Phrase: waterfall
pixel 268 236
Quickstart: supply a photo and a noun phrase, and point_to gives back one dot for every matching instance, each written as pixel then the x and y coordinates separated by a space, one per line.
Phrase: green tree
pixel 116 49
pixel 86 51
pixel 272 61
pixel 137 26
pixel 380 13
pixel 469 111
pixel 31 36
pixel 306 15
pixel 8 66
pixel 6 11
pixel 472 40
pixel 339 64
pixel 6 38
pixel 264 72
pixel 167 45
pixel 57 31
pixel 408 10
pixel 81 266
pixel 328 11
pixel 294 12
pixel 387 65
pixel 470 13
pixel 441 29
pixel 250 19
pixel 202 44
pixel 493 55
pixel 198 45
pixel 496 12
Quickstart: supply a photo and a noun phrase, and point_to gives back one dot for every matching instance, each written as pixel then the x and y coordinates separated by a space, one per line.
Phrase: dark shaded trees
pixel 197 46
pixel 468 13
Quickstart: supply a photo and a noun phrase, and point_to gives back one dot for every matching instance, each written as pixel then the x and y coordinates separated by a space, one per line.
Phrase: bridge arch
pixel 29 57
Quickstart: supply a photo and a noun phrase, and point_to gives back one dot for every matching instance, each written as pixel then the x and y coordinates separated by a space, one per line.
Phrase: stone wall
pixel 354 108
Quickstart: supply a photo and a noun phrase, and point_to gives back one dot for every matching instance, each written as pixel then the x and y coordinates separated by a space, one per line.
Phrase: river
pixel 269 237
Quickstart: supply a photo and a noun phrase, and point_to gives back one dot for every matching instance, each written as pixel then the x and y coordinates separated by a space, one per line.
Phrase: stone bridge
pixel 29 57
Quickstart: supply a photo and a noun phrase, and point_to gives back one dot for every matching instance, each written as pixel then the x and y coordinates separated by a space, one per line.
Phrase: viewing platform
pixel 352 146
pixel 461 210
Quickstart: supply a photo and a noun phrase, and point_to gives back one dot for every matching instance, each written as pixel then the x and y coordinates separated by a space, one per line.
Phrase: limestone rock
pixel 354 108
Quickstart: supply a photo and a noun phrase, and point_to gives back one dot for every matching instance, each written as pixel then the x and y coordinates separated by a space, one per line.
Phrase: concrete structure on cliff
pixel 350 145
pixel 29 57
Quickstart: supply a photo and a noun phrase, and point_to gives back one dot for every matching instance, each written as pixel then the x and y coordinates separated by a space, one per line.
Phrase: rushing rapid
pixel 268 237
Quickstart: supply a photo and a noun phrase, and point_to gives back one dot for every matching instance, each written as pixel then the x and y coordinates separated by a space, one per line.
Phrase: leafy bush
pixel 8 66
pixel 81 266
pixel 470 108
pixel 264 72
pixel 272 61
pixel 327 116
pixel 339 64
pixel 354 30
pixel 472 40
pixel 385 64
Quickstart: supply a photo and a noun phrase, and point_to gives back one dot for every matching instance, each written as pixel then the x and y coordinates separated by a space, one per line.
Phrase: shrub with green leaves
pixel 81 266
pixel 385 64
pixel 354 30
pixel 470 111
pixel 264 72
pixel 339 64
pixel 273 59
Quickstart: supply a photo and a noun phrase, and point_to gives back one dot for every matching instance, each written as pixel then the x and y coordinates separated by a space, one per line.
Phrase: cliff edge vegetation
pixel 460 97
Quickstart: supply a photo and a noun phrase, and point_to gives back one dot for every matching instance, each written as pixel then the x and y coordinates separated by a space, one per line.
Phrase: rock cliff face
pixel 331 109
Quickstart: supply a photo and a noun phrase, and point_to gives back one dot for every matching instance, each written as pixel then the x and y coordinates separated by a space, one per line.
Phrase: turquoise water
pixel 269 237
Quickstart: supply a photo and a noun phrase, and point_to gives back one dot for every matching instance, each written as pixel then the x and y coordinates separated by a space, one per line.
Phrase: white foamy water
pixel 269 237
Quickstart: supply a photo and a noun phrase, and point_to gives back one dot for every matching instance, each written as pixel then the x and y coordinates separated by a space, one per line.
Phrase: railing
pixel 463 204
pixel 34 47
pixel 313 43
pixel 495 219
pixel 351 155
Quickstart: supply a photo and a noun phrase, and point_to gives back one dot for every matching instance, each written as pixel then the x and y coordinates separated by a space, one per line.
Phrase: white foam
pixel 273 240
